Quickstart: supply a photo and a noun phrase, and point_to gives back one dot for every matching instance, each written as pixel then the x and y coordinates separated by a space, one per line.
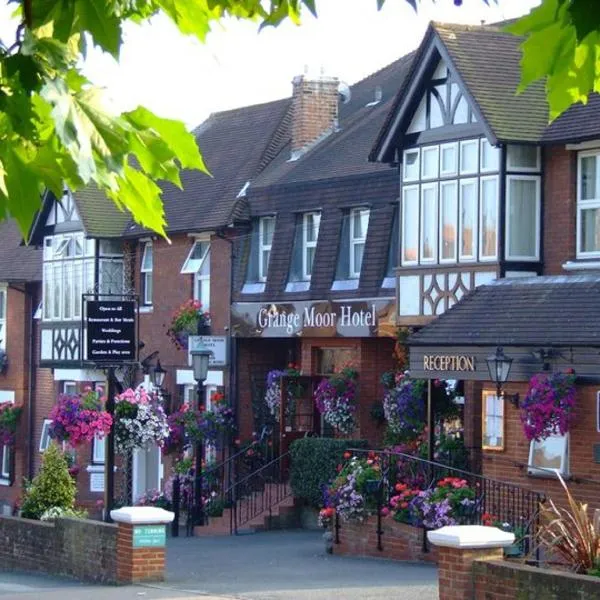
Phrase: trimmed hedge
pixel 313 463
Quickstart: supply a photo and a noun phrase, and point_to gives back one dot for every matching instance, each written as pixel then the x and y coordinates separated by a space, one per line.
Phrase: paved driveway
pixel 291 565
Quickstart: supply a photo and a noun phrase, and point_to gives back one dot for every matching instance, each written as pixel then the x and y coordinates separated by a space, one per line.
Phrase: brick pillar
pixel 141 543
pixel 459 546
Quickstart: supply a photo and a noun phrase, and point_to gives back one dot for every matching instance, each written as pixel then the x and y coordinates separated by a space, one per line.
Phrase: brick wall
pixel 399 541
pixel 560 203
pixel 509 464
pixel 503 580
pixel 82 549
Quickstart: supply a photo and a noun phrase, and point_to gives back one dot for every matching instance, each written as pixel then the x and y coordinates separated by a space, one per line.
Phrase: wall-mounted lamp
pixel 499 368
pixel 545 356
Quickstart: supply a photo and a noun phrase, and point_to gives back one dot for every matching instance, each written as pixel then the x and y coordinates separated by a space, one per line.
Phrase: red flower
pixel 347 455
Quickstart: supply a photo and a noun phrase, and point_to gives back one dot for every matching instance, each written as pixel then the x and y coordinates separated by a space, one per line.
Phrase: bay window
pixel 266 227
pixel 68 273
pixel 488 227
pixel 359 224
pixel 3 308
pixel 522 217
pixel 146 268
pixel 448 219
pixel 468 219
pixel 429 218
pixel 310 234
pixel 588 205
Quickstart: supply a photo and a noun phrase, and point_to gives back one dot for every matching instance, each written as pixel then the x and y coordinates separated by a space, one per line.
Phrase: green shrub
pixel 51 487
pixel 314 463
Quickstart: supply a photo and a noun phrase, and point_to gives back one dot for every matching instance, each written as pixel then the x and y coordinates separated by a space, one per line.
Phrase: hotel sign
pixel 448 362
pixel 111 331
pixel 360 318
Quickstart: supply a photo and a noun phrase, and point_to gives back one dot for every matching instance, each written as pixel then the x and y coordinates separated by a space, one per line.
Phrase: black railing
pixel 497 502
pixel 259 492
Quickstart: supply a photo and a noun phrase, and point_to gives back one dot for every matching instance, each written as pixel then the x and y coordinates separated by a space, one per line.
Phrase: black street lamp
pixel 158 376
pixel 499 367
pixel 200 360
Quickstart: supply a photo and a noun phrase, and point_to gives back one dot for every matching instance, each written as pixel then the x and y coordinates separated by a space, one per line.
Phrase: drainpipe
pixel 30 385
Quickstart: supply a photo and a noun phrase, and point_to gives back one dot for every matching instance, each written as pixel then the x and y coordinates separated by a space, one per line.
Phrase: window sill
pixel 298 286
pixel 253 288
pixel 581 265
pixel 146 308
pixel 5 482
pixel 546 474
pixel 345 284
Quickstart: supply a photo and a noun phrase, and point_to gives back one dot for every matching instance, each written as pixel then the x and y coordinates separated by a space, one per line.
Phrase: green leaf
pixel 175 135
pixel 96 17
pixel 585 16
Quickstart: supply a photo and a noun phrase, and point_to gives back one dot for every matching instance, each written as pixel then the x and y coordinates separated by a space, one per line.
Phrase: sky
pixel 178 77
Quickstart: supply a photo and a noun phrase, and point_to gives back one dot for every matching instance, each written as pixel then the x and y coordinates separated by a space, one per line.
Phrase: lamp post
pixel 499 367
pixel 200 367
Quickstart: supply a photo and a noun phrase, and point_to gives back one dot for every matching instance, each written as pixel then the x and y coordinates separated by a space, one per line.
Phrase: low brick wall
pixel 497 580
pixel 79 548
pixel 399 540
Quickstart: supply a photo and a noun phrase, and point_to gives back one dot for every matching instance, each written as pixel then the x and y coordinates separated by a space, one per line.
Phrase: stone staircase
pixel 255 513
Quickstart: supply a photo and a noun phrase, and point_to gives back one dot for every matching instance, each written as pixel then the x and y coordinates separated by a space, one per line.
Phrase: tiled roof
pixel 100 216
pixel 488 61
pixel 18 263
pixel 236 144
pixel 343 153
pixel 579 123
pixel 548 311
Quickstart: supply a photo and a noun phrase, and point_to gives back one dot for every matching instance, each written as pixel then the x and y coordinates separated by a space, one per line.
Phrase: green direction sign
pixel 145 536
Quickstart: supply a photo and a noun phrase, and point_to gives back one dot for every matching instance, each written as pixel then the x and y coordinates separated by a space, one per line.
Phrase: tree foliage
pixel 57 128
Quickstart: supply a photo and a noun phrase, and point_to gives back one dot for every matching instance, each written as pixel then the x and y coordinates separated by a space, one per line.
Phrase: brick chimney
pixel 315 111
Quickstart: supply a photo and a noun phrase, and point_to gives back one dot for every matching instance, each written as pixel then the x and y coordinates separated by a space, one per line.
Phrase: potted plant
pixel 335 398
pixel 189 319
pixel 9 419
pixel 79 418
pixel 548 408
pixel 140 420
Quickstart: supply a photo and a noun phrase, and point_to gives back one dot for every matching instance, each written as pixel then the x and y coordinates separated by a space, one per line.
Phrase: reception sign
pixel 354 318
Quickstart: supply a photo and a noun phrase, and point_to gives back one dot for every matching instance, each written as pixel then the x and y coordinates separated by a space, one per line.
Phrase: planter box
pixel 399 541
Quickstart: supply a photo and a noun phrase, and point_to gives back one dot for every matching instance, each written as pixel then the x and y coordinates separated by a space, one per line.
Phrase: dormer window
pixel 310 234
pixel 266 231
pixel 359 223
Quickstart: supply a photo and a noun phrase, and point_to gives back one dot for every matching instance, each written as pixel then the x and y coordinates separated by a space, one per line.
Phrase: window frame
pixel 485 394
pixel 430 150
pixel 496 152
pixel 520 169
pixel 586 204
pixel 146 274
pixel 306 244
pixel 99 458
pixel 468 258
pixel 454 172
pixel 535 471
pixel 418 175
pixel 405 189
pixel 357 241
pixel 443 184
pixel 66 384
pixel 3 314
pixel 192 269
pixel 471 142
pixel 45 436
pixel 6 465
pixel 494 257
pixel 538 201
pixel 262 247
pixel 424 187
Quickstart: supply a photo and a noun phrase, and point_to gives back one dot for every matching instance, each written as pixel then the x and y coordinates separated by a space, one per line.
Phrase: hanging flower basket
pixel 140 421
pixel 9 419
pixel 189 319
pixel 78 419
pixel 273 391
pixel 335 398
pixel 404 406
pixel 548 407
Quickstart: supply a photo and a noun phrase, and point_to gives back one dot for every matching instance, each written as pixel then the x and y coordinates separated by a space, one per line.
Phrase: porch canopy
pixel 550 323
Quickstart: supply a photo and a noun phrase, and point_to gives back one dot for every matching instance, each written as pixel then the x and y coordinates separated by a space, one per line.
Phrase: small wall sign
pixel 448 362
pixel 217 344
pixel 111 331
pixel 149 536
